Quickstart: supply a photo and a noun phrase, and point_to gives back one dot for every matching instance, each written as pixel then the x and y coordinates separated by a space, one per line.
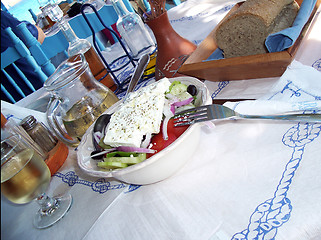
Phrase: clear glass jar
pixel 77 99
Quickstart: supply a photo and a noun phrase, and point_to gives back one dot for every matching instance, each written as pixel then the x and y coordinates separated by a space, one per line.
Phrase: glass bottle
pixel 83 46
pixel 45 5
pixel 47 22
pixel 132 30
pixel 39 133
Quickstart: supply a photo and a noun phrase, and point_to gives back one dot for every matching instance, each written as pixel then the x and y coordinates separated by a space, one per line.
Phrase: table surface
pixel 248 179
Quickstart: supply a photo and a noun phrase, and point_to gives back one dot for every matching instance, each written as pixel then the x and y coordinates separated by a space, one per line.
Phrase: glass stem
pixel 47 204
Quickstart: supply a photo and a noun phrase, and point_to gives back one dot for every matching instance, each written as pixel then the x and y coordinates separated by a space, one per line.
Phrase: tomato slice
pixel 158 142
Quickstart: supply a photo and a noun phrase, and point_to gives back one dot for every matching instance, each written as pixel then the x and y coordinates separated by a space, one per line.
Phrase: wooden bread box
pixel 240 68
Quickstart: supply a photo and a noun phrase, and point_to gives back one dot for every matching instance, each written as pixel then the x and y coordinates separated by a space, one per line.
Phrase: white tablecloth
pixel 247 180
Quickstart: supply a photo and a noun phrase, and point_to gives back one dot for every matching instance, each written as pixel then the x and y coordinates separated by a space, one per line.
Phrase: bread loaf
pixel 244 31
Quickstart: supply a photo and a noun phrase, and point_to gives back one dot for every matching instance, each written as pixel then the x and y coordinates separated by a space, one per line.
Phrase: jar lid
pixel 67 71
pixel 28 122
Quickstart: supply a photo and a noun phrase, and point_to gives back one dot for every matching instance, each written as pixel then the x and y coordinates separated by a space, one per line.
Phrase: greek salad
pixel 144 125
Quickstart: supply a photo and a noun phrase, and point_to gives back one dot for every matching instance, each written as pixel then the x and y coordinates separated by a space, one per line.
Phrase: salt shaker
pixel 39 133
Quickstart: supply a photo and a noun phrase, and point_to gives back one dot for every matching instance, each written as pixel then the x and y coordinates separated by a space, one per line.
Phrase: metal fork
pixel 215 111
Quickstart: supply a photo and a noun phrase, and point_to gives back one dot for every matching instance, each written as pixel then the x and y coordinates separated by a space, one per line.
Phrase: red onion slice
pixel 134 149
pixel 183 103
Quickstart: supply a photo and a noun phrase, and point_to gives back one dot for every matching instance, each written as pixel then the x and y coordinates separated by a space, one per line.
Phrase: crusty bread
pixel 244 31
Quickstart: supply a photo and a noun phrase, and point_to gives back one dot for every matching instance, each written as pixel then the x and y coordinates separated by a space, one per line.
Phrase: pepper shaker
pixel 39 133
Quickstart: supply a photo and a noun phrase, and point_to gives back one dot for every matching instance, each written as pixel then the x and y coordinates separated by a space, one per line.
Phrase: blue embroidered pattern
pixel 193 17
pixel 273 213
pixel 293 90
pixel 15 118
pixel 125 71
pixel 221 86
pixel 188 18
pixel 101 185
pixel 317 64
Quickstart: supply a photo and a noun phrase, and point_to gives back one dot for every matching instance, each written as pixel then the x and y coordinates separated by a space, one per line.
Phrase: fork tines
pixel 190 116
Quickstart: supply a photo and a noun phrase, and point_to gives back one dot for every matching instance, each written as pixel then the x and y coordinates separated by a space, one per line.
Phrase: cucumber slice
pixel 112 165
pixel 184 95
pixel 128 159
pixel 173 84
pixel 121 154
pixel 178 89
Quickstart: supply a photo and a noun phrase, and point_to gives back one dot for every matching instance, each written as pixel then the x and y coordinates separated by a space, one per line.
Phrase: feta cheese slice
pixel 140 114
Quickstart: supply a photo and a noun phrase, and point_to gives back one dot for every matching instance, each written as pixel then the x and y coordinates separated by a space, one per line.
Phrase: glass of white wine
pixel 25 176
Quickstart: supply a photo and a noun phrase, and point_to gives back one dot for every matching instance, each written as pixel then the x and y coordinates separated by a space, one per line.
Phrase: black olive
pixel 191 89
pixel 97 157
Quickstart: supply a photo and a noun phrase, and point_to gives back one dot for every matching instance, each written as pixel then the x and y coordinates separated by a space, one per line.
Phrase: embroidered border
pixel 101 185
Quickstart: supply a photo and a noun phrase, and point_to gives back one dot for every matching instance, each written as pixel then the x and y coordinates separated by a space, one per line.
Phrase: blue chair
pixel 84 25
pixel 8 59
pixel 33 15
pixel 147 5
pixel 36 51
pixel 167 6
pixel 177 2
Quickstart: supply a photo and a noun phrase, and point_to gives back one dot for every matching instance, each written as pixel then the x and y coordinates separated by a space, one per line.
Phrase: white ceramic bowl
pixel 158 167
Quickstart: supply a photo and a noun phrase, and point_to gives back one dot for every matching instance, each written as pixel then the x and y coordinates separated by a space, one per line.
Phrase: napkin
pixel 195 14
pixel 298 89
pixel 284 39
pixel 17 113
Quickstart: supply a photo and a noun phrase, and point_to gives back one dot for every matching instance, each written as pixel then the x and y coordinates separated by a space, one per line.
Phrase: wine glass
pixel 25 176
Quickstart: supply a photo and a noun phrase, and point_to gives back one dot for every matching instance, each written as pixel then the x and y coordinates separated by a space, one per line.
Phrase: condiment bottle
pixel 39 133
pixel 83 46
pixel 10 127
pixel 132 30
